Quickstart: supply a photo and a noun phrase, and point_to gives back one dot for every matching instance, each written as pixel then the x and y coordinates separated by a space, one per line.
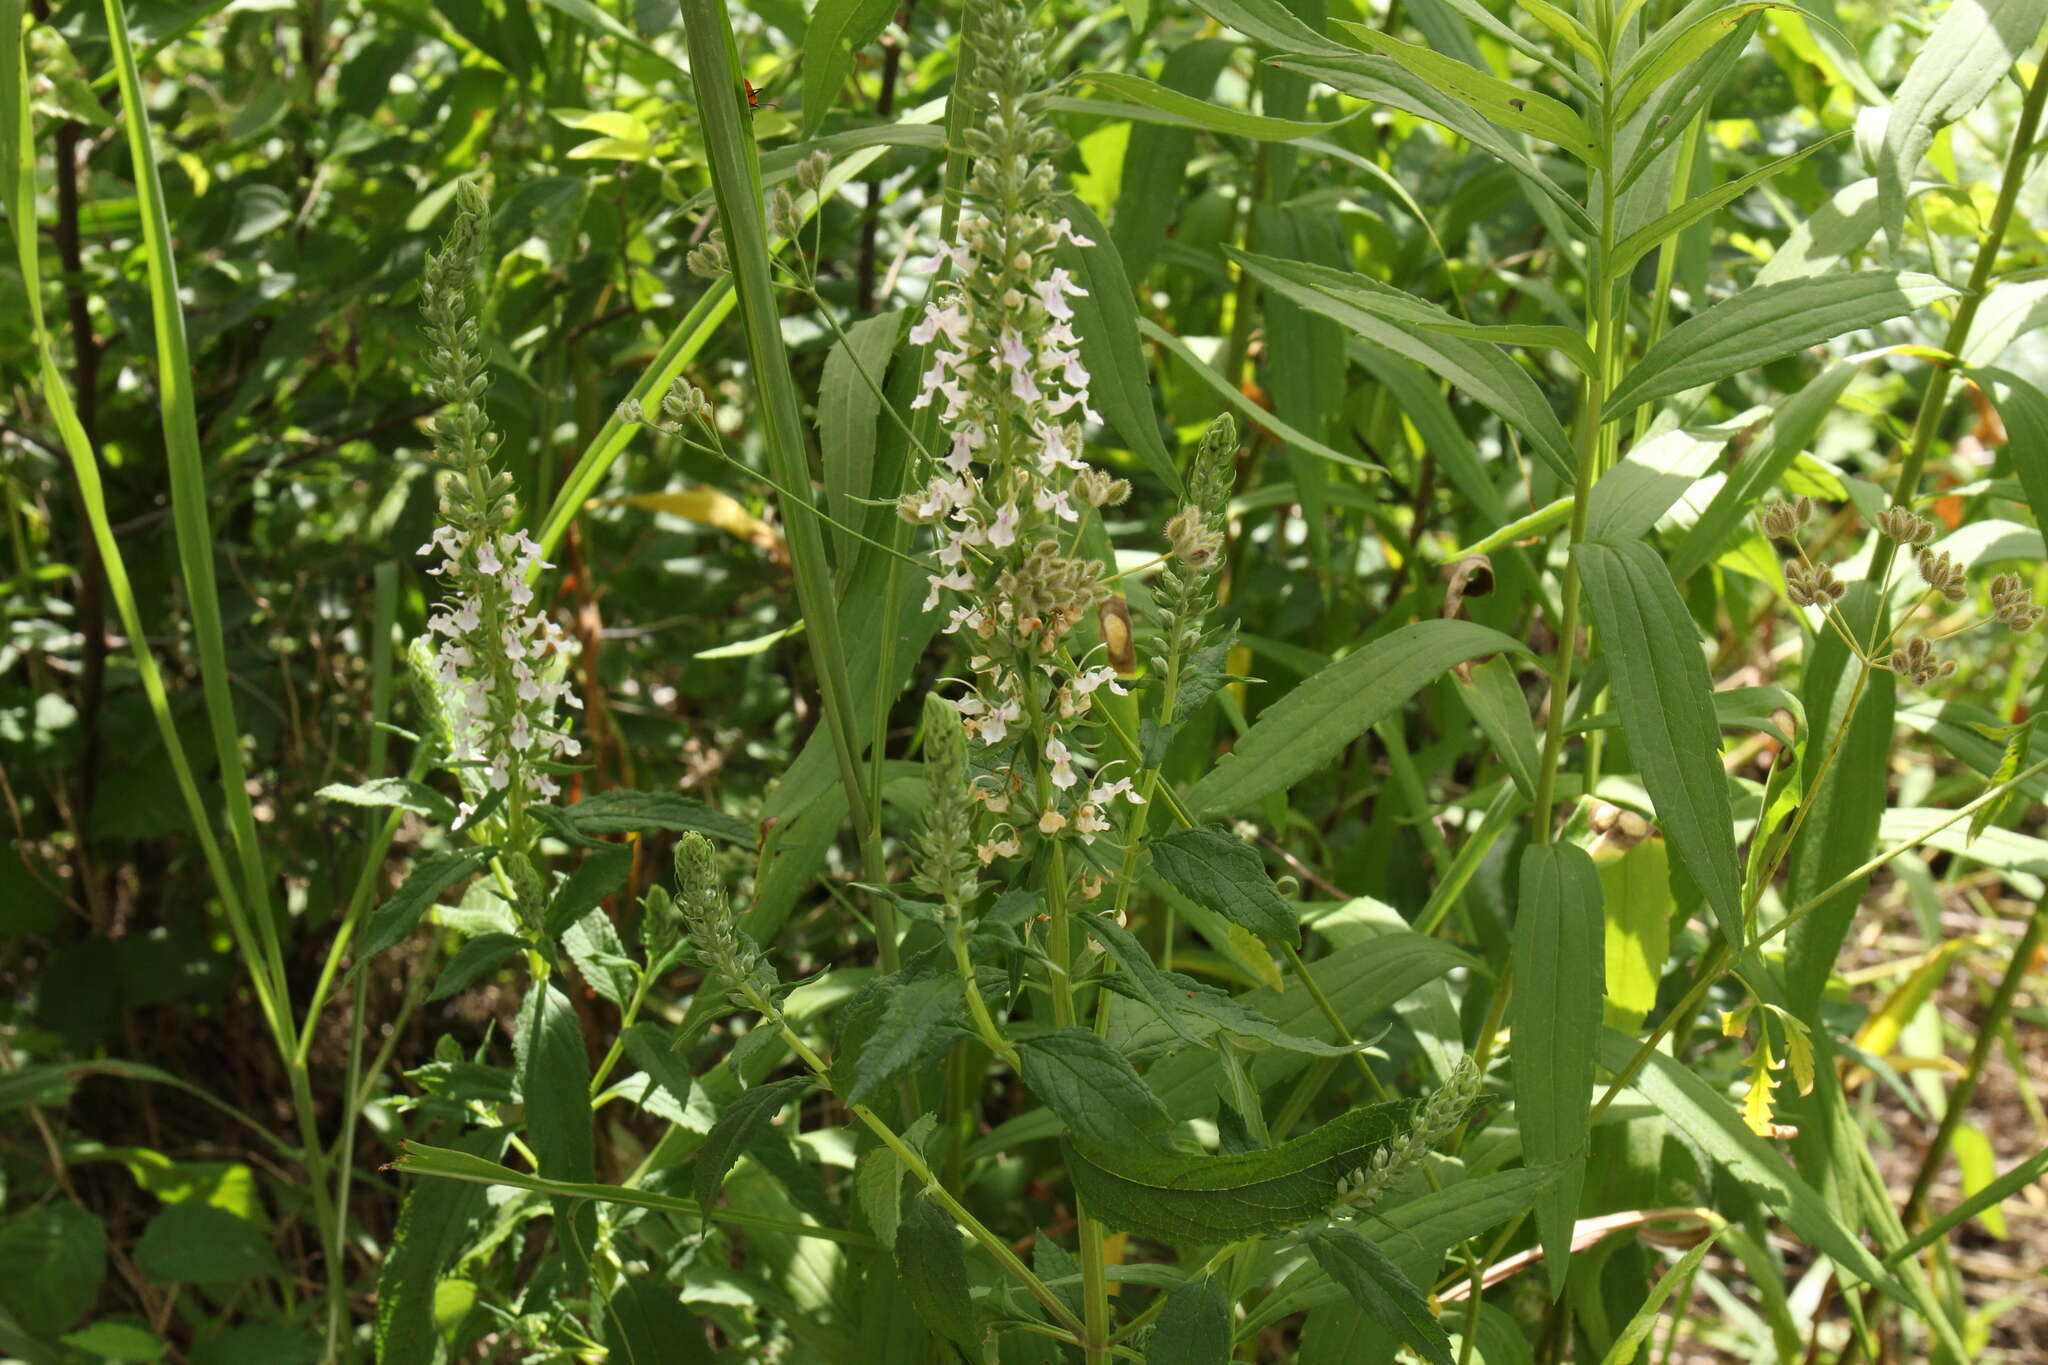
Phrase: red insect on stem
pixel 754 104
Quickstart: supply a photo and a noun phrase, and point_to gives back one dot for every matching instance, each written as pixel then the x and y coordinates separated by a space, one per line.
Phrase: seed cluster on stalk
pixel 1008 491
pixel 498 663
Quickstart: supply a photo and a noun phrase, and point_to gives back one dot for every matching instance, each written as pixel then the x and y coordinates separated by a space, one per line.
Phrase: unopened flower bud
pixel 1812 587
pixel 810 172
pixel 1917 662
pixel 1944 575
pixel 1905 526
pixel 708 260
pixel 1783 520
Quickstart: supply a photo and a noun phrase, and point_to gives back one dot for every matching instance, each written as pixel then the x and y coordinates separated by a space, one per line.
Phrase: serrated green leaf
pixel 629 812
pixel 920 1020
pixel 393 793
pixel 554 1080
pixel 735 1129
pixel 1094 1089
pixel 1757 326
pixel 1313 723
pixel 1665 697
pixel 1193 1328
pixel 1223 873
pixel 593 943
pixel 1198 1199
pixel 433 1226
pixel 1554 1016
pixel 655 1054
pixel 1379 1287
pixel 934 1270
pixel 52 1259
pixel 387 925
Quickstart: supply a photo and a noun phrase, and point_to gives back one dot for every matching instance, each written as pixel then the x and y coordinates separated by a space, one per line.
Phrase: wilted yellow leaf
pixel 707 506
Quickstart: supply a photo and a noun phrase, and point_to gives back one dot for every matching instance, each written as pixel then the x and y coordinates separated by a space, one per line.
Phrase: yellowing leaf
pixel 707 506
pixel 612 149
pixel 1880 1033
pixel 1756 1105
pixel 1635 892
pixel 610 123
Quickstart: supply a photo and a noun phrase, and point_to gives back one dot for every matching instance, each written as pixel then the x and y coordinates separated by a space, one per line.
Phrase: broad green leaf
pixel 1676 44
pixel 1710 1124
pixel 554 1079
pixel 201 1244
pixel 1636 902
pixel 849 404
pixel 1223 873
pixel 601 874
pixel 1639 244
pixel 1973 44
pixel 1479 369
pixel 838 30
pixel 2010 310
pixel 1630 498
pixel 123 1342
pixel 1153 102
pixel 1094 1090
pixel 393 793
pixel 1208 1199
pixel 1107 320
pixel 433 1228
pixel 1384 81
pixel 1378 1286
pixel 1638 1328
pixel 1193 1328
pixel 1495 698
pixel 646 1321
pixel 1317 720
pixel 1141 975
pixel 629 812
pixel 52 1259
pixel 1660 124
pixel 1554 1016
pixel 1665 697
pixel 1156 158
pixel 387 925
pixel 878 1180
pixel 1757 326
pixel 593 944
pixel 934 1271
pixel 1513 107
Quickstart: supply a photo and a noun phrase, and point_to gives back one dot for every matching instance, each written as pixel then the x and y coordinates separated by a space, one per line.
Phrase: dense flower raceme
pixel 497 663
pixel 1009 490
pixel 492 657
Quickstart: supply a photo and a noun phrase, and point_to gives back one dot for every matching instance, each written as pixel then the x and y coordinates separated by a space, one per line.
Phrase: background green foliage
pixel 179 1188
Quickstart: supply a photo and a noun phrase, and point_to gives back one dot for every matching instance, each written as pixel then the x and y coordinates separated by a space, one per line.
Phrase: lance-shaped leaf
pixel 1679 42
pixel 390 922
pixel 1974 44
pixel 1666 700
pixel 1382 1289
pixel 1271 23
pixel 1636 245
pixel 2024 410
pixel 1311 724
pixel 1385 81
pixel 1212 1199
pixel 1482 371
pixel 1094 1089
pixel 1223 873
pixel 1554 1016
pixel 1150 102
pixel 630 812
pixel 1709 1124
pixel 1515 108
pixel 1107 319
pixel 1758 326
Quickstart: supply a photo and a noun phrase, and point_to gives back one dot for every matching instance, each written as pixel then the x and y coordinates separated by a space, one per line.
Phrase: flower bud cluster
pixel 1905 527
pixel 497 665
pixel 2012 604
pixel 1812 585
pixel 1782 520
pixel 709 922
pixel 946 863
pixel 1007 489
pixel 1916 661
pixel 683 404
pixel 1441 1114
pixel 1195 540
pixel 1944 575
pixel 707 260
